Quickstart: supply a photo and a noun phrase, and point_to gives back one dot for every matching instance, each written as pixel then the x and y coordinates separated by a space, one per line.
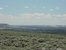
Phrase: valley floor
pixel 10 40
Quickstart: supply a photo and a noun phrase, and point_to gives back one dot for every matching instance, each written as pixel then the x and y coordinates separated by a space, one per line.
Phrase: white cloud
pixel 6 6
pixel 64 15
pixel 34 18
pixel 57 8
pixel 26 6
pixel 34 14
pixel 1 8
pixel 41 15
pixel 43 7
pixel 43 18
pixel 51 9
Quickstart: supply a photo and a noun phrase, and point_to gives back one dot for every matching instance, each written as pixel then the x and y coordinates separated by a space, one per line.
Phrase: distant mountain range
pixel 34 28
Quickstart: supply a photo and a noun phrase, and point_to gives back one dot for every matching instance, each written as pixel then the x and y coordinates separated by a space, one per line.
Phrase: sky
pixel 33 12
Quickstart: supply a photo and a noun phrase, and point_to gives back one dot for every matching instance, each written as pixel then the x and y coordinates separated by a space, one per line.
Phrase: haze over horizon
pixel 33 12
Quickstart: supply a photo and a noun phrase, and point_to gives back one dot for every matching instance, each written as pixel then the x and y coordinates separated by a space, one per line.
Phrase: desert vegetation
pixel 11 40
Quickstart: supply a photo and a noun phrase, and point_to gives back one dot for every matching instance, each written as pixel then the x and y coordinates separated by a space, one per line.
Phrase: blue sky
pixel 33 12
pixel 25 6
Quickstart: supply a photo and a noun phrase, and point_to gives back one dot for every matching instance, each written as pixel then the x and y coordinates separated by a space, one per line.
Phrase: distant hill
pixel 4 26
pixel 34 28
